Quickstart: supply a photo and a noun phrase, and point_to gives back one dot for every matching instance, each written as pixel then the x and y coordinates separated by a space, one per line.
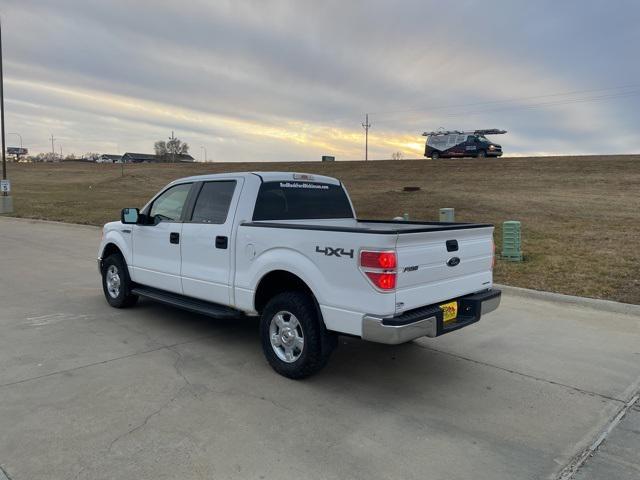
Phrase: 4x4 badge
pixel 335 252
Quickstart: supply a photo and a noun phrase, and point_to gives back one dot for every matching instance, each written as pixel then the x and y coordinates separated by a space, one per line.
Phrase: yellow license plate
pixel 449 311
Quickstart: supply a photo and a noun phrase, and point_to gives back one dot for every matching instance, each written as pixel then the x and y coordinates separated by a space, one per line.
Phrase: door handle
pixel 222 242
pixel 174 237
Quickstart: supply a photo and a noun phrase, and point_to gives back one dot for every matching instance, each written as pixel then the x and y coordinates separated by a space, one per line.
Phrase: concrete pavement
pixel 91 392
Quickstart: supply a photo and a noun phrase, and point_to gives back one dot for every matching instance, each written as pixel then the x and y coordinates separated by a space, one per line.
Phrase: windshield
pixel 483 139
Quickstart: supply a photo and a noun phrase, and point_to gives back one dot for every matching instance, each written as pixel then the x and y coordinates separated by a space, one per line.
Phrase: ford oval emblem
pixel 453 261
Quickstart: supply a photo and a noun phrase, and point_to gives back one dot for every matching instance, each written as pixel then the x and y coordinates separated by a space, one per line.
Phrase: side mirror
pixel 129 216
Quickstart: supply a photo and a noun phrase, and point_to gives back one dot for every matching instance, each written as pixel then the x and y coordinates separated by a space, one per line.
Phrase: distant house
pixel 109 158
pixel 179 158
pixel 130 157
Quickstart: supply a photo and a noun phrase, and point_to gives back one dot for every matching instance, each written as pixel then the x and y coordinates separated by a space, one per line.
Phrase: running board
pixel 187 303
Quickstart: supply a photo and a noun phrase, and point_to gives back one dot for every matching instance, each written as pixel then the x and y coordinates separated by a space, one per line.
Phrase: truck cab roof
pixel 264 176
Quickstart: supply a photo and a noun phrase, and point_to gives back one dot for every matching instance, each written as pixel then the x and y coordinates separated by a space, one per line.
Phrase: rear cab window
pixel 299 200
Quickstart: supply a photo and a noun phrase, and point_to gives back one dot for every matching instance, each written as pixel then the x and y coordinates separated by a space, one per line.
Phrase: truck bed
pixel 437 261
pixel 390 227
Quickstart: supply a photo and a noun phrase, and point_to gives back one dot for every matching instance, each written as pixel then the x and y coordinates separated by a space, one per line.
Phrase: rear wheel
pixel 116 283
pixel 435 155
pixel 294 341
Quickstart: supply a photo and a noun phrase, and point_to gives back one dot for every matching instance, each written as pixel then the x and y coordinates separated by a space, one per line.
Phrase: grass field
pixel 580 215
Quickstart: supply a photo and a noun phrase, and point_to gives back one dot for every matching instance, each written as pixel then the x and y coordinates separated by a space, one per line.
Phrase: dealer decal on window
pixel 303 185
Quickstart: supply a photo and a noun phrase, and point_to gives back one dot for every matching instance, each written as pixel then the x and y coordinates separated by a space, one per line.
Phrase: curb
pixel 51 222
pixel 595 303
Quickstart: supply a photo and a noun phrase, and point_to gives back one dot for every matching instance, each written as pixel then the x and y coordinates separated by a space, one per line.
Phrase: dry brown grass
pixel 580 215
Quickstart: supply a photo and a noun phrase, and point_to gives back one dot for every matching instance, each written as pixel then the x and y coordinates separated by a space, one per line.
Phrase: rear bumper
pixel 428 321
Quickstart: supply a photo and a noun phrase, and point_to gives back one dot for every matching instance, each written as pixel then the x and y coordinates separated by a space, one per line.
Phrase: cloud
pixel 283 80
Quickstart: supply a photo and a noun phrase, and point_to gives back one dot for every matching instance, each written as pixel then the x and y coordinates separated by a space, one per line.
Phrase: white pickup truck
pixel 289 248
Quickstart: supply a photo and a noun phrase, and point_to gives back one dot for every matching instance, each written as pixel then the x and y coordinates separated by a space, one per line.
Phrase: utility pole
pixel 60 152
pixel 53 150
pixel 366 125
pixel 173 150
pixel 205 153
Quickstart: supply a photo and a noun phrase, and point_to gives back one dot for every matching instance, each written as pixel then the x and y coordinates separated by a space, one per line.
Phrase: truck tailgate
pixel 440 265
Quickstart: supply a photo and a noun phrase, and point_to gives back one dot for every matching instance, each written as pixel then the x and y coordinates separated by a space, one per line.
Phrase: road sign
pixel 5 186
pixel 17 151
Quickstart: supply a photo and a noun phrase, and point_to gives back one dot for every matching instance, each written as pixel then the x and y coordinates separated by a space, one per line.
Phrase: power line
pixel 547 104
pixel 491 102
pixel 510 100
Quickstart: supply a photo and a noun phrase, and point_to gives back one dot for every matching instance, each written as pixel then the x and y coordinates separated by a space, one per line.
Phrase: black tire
pixel 482 154
pixel 116 264
pixel 435 155
pixel 318 342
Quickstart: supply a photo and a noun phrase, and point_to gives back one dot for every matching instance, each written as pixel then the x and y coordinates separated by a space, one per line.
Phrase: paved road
pixel 90 392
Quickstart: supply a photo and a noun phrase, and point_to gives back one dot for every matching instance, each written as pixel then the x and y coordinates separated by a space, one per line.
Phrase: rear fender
pixel 291 261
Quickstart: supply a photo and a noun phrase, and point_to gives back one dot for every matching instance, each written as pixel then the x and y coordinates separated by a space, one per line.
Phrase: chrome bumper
pixel 428 321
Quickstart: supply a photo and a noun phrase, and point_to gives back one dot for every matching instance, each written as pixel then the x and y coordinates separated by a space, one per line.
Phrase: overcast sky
pixel 291 80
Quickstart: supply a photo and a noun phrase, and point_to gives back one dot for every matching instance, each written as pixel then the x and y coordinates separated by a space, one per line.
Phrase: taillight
pixel 386 260
pixel 380 268
pixel 384 281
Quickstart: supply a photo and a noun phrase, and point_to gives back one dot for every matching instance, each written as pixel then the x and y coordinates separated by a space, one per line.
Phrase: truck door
pixel 207 256
pixel 156 246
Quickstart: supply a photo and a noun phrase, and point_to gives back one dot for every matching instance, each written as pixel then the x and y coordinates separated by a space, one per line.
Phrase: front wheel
pixel 116 283
pixel 482 154
pixel 294 341
pixel 435 155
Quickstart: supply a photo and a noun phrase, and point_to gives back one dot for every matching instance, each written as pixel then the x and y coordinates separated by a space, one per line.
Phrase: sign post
pixel 6 201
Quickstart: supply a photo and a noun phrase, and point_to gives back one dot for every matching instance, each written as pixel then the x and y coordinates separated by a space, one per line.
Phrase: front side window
pixel 212 205
pixel 168 206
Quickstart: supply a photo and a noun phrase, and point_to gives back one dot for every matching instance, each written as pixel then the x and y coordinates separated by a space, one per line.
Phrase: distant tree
pixel 396 156
pixel 93 156
pixel 46 157
pixel 160 148
pixel 168 151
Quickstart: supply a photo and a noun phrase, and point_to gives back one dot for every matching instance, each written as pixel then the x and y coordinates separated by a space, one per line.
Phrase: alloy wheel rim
pixel 113 281
pixel 286 336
